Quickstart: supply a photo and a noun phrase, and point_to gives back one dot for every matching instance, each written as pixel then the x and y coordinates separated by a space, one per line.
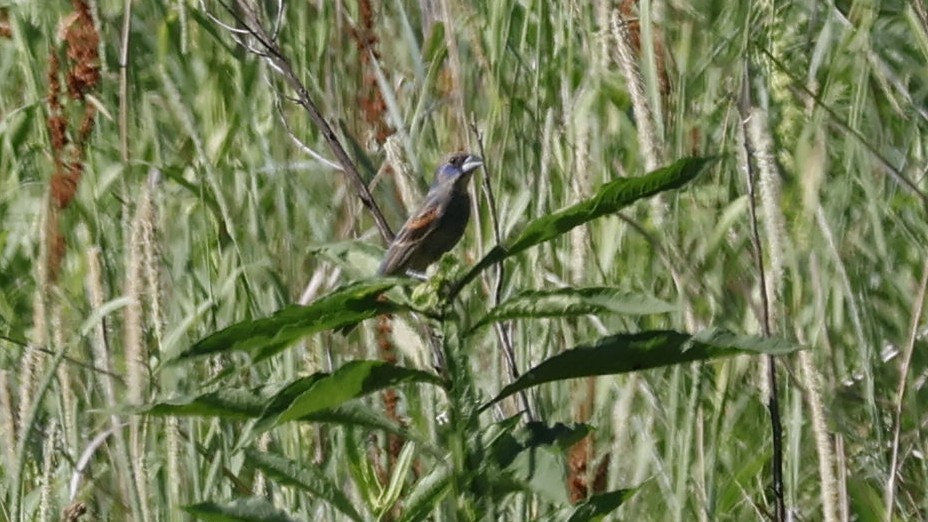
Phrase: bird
pixel 439 222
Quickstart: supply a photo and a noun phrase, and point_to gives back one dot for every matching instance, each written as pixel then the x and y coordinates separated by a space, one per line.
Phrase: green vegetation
pixel 190 326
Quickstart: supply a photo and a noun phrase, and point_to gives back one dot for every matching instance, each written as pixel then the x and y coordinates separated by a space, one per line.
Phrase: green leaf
pixel 290 473
pixel 625 353
pixel 265 337
pixel 536 434
pixel 353 380
pixel 540 470
pixel 348 414
pixel 251 509
pixel 566 302
pixel 231 403
pixel 598 506
pixel 531 458
pixel 609 199
pixel 435 44
pixel 359 415
pixel 240 404
pixel 426 494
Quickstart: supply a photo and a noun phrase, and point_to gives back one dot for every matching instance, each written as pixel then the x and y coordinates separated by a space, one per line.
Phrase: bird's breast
pixel 457 213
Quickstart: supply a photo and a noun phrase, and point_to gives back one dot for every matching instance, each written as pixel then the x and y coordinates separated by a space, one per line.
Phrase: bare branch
pixel 265 45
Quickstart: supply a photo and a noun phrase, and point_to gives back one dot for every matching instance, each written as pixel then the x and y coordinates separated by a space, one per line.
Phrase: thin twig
pixel 298 142
pixel 744 109
pixel 900 393
pixel 503 327
pixel 268 48
pixel 69 359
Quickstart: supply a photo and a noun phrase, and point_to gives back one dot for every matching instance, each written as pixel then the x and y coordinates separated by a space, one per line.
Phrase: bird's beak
pixel 471 163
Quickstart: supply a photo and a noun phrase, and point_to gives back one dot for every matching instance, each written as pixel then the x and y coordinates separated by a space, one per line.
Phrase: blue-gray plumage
pixel 439 222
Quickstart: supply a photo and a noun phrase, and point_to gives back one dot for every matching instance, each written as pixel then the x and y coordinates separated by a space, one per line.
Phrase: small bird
pixel 439 222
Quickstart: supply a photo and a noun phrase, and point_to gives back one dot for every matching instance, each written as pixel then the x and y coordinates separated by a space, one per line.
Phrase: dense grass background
pixel 237 227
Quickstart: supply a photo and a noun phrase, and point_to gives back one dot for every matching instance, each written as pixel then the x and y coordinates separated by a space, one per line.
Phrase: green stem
pixel 462 423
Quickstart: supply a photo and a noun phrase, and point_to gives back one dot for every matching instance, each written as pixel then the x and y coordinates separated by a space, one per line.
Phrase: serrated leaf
pixel 229 403
pixel 568 302
pixel 625 353
pixel 359 415
pixel 608 199
pixel 290 473
pixel 353 380
pixel 598 506
pixel 265 337
pixel 251 509
pixel 349 414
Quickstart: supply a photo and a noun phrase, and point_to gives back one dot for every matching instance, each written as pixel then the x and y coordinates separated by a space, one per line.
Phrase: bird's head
pixel 457 169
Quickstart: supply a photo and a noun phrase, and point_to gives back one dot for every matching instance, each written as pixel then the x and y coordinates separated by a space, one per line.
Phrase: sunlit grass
pixel 243 217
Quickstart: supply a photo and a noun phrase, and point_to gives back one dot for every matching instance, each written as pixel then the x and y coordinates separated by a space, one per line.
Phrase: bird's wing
pixel 411 237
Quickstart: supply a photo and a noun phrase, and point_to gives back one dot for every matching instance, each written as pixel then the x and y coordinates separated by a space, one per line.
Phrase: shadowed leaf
pixel 265 337
pixel 529 458
pixel 252 509
pixel 598 506
pixel 625 353
pixel 240 404
pixel 353 380
pixel 230 403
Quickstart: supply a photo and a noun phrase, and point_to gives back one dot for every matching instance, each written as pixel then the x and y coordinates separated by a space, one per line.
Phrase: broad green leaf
pixel 359 415
pixel 265 403
pixel 251 509
pixel 346 414
pixel 307 478
pixel 609 199
pixel 541 470
pixel 265 337
pixel 285 397
pixel 566 302
pixel 353 380
pixel 625 353
pixel 231 403
pixel 598 506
